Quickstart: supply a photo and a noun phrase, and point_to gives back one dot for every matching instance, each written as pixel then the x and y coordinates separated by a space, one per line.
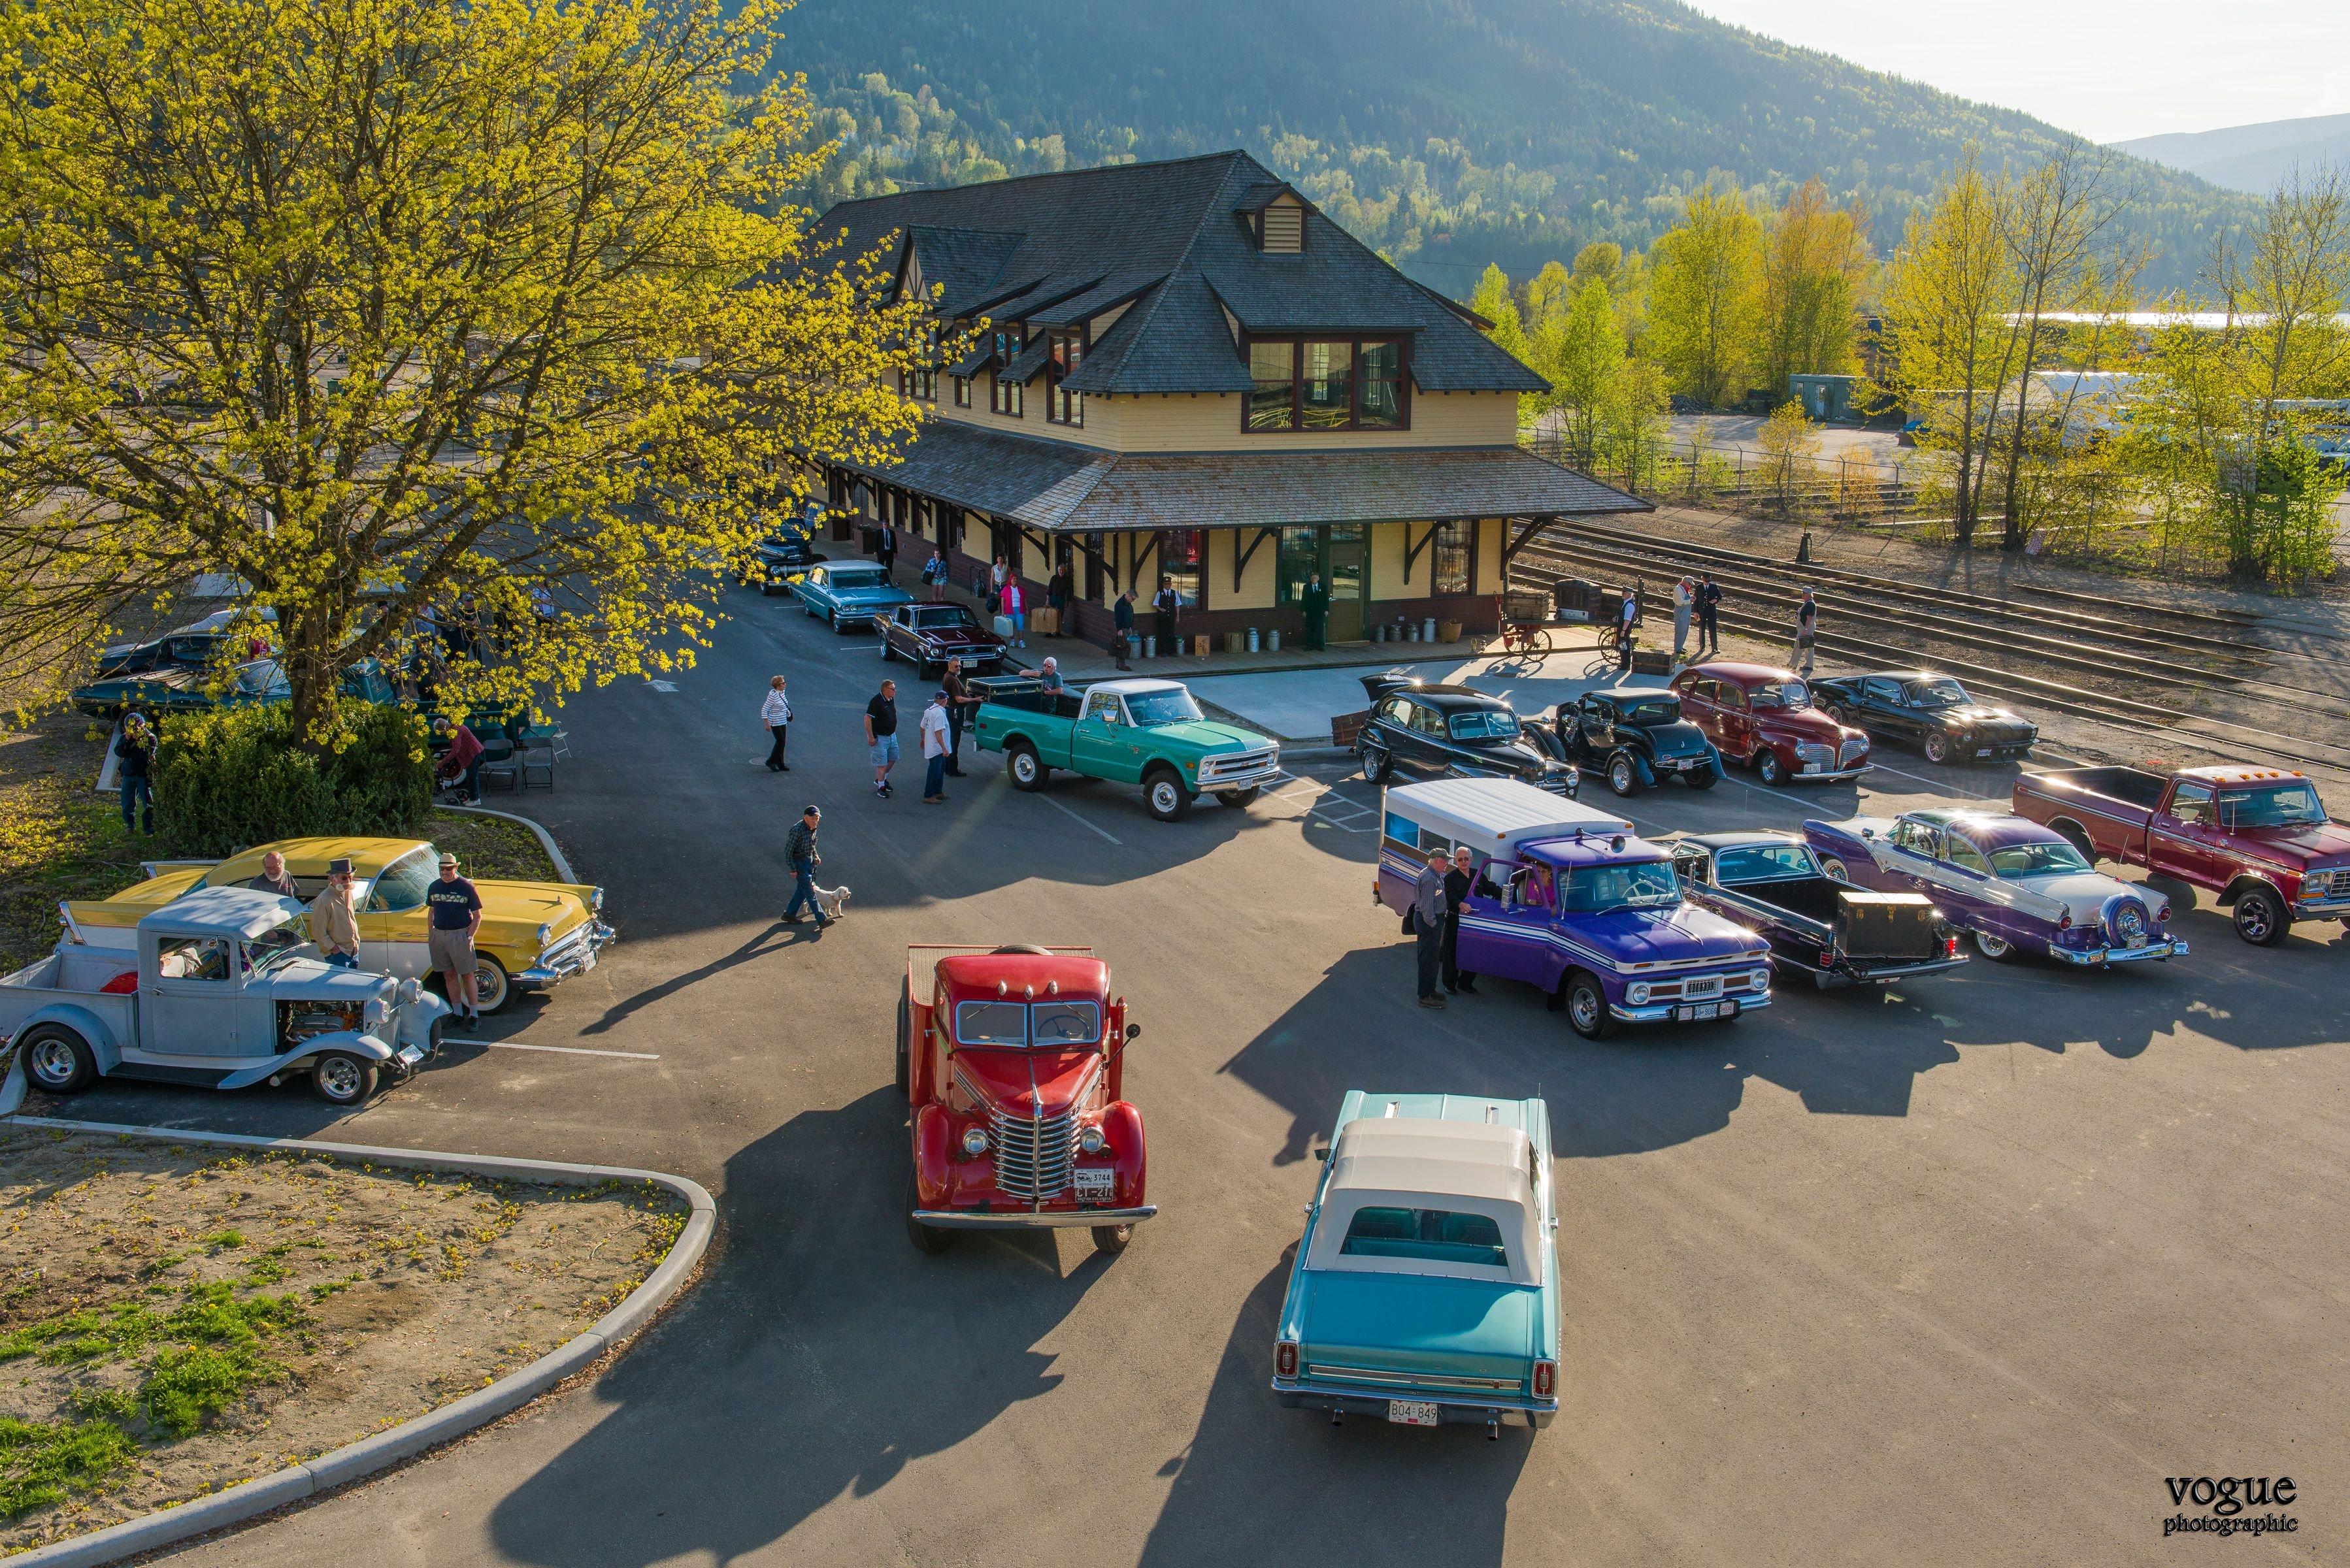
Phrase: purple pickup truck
pixel 1567 900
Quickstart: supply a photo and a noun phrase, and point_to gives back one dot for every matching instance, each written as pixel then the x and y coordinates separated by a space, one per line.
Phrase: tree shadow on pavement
pixel 761 1399
pixel 1255 1484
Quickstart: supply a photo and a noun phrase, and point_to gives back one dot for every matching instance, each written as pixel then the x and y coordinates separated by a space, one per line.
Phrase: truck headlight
pixel 1636 994
pixel 974 1141
pixel 1759 980
pixel 377 1010
pixel 1091 1141
pixel 410 992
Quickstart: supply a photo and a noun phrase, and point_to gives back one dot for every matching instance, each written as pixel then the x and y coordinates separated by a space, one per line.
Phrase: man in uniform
pixel 1314 599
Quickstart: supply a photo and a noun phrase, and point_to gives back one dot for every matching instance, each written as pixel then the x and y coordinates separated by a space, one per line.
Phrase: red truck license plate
pixel 1411 1412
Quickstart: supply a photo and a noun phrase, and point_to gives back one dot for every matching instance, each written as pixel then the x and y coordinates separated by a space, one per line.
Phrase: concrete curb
pixel 171 1525
pixel 545 839
pixel 12 1087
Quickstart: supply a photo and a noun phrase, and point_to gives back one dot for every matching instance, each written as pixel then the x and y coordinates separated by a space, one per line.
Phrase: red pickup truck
pixel 2259 837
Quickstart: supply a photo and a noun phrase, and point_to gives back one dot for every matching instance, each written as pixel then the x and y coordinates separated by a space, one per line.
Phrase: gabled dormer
pixel 1276 217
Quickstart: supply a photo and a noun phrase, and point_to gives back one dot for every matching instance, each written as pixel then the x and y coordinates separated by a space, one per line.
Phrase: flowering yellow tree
pixel 375 304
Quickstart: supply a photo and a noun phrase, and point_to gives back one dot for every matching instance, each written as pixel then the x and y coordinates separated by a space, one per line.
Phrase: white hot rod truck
pixel 228 993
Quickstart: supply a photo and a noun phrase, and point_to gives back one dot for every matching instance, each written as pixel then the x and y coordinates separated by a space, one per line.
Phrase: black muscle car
pixel 1837 933
pixel 930 634
pixel 1932 712
pixel 1425 732
pixel 1637 735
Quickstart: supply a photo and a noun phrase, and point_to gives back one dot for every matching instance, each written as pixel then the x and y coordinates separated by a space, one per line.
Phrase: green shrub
pixel 232 777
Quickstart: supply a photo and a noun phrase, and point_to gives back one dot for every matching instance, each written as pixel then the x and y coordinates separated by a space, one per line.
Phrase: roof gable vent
pixel 1280 228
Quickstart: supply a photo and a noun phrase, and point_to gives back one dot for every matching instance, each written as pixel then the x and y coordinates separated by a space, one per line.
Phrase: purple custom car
pixel 1600 924
pixel 2016 886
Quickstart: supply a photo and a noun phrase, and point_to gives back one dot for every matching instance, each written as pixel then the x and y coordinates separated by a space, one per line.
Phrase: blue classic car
pixel 850 594
pixel 1567 900
pixel 1426 1289
pixel 2018 886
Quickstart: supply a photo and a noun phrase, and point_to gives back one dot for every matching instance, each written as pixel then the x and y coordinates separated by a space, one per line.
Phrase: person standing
pixel 934 572
pixel 334 918
pixel 273 877
pixel 1457 885
pixel 456 914
pixel 1807 626
pixel 1628 623
pixel 1684 605
pixel 1122 617
pixel 885 550
pixel 1058 593
pixel 799 854
pixel 1166 607
pixel 775 712
pixel 1428 925
pixel 1709 616
pixel 881 736
pixel 934 748
pixel 1015 610
pixel 959 703
pixel 1314 599
pixel 134 763
pixel 997 575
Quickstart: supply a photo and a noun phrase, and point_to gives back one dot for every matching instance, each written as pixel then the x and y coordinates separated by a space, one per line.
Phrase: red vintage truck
pixel 1013 1059
pixel 2259 837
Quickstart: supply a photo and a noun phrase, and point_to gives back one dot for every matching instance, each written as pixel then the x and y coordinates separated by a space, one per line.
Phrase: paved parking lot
pixel 1956 1273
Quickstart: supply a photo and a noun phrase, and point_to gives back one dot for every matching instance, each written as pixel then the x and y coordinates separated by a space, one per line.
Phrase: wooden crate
pixel 1344 728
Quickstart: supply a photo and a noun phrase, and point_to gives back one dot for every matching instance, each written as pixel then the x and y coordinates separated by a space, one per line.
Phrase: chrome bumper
pixel 1838 777
pixel 1030 1220
pixel 1662 1011
pixel 1263 775
pixel 2323 909
pixel 568 956
pixel 1452 1406
pixel 2103 958
pixel 1878 976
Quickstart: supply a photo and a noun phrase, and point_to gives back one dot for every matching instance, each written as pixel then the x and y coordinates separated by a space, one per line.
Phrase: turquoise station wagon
pixel 1426 1289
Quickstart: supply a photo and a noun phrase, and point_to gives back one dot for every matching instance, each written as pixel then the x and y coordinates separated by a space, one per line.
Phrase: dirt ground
pixel 174 1320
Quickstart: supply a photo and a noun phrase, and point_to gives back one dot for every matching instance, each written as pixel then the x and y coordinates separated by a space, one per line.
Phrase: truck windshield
pixel 1432 1235
pixel 2035 860
pixel 273 947
pixel 1641 885
pixel 2282 805
pixel 1492 724
pixel 1054 1023
pixel 1154 708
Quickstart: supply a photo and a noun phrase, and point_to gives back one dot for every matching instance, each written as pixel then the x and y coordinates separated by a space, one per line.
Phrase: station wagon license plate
pixel 1412 1412
pixel 1095 1183
pixel 1697 1012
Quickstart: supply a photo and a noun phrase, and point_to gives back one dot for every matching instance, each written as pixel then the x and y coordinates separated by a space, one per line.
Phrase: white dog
pixel 830 899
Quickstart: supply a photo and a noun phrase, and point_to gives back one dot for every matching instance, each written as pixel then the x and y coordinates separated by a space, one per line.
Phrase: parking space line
pixel 570 1050
pixel 1065 810
pixel 1937 783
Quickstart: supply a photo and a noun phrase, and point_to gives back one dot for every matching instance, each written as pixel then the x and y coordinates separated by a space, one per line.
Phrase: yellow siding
pixel 1226 546
pixel 1208 421
pixel 1492 538
pixel 1387 547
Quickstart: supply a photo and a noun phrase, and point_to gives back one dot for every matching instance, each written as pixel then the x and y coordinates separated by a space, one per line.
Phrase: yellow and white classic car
pixel 533 935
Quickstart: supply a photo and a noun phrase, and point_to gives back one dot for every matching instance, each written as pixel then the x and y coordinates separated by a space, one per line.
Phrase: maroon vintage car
pixel 1764 717
pixel 930 634
pixel 2259 837
pixel 1014 1059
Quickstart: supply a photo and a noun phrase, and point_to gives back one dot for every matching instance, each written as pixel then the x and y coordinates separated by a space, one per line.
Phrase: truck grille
pixel 1235 763
pixel 1031 1158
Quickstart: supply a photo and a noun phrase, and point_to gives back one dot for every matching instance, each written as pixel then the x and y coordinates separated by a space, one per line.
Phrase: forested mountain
pixel 1449 133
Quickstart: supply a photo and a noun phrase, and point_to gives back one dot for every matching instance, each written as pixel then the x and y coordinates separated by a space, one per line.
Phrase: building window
pixel 1280 228
pixel 1063 407
pixel 963 391
pixel 1004 397
pixel 1095 545
pixel 1326 384
pixel 1301 557
pixel 1182 556
pixel 1450 556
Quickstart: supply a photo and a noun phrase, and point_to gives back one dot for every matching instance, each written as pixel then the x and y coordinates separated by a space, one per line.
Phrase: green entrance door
pixel 1345 574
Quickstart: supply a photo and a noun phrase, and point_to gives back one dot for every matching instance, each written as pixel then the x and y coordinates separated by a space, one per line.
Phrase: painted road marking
pixel 1073 816
pixel 664 685
pixel 569 1050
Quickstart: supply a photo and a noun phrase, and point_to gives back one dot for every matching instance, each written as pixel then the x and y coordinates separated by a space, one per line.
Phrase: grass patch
pixel 46 1462
pixel 487 846
pixel 58 838
pixel 208 1350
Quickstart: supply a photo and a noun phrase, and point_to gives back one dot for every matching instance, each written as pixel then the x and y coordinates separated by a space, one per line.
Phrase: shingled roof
pixel 1062 487
pixel 1173 239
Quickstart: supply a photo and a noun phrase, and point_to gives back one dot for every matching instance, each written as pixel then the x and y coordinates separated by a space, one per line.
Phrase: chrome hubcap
pixel 338 1077
pixel 53 1061
pixel 1992 946
pixel 1163 795
pixel 1586 1009
pixel 2253 918
pixel 1024 768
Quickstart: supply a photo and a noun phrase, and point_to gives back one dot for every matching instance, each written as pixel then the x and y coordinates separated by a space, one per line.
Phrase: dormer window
pixel 1326 384
pixel 1281 226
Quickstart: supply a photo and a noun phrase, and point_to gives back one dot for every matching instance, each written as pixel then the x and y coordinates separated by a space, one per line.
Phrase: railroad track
pixel 1973 622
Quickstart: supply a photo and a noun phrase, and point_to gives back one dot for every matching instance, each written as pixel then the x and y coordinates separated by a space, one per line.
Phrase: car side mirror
pixel 1133 1031
pixel 1322 1154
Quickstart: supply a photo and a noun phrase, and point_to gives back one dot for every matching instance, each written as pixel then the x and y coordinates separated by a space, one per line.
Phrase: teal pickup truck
pixel 1148 732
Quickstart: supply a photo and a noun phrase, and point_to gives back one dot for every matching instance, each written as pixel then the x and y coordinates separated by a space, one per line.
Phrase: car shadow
pixel 759 1398
pixel 1444 1494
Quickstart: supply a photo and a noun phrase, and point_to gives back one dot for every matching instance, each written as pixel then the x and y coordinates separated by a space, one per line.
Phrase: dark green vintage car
pixel 188 689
